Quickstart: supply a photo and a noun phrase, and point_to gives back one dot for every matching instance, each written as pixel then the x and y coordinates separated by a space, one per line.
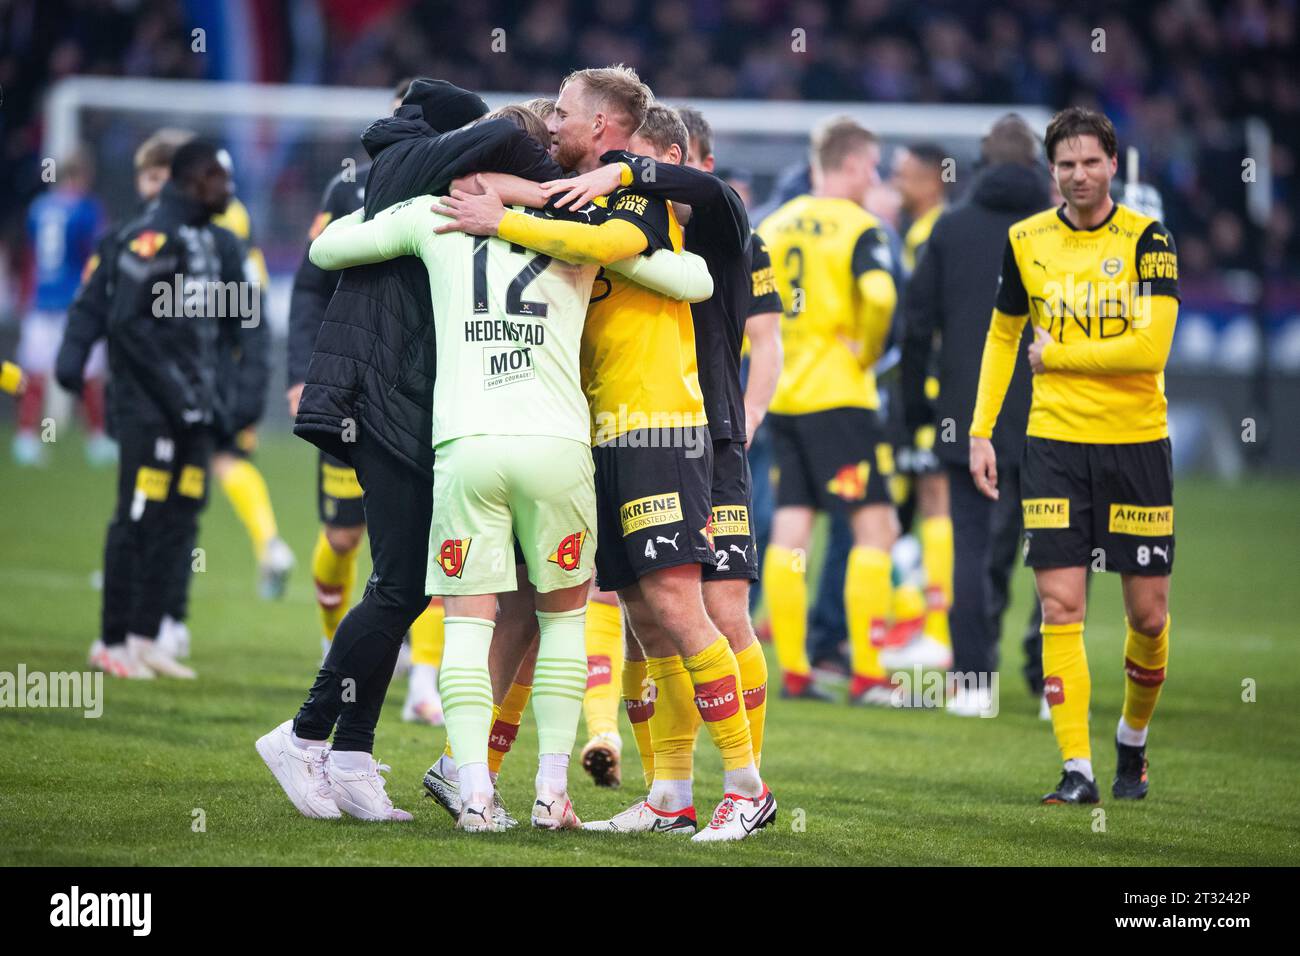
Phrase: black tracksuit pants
pixel 162 487
pixel 353 680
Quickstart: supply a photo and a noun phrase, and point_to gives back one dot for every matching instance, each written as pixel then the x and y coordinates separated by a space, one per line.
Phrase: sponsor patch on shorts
pixel 568 553
pixel 191 483
pixel 650 511
pixel 730 520
pixel 1046 512
pixel 153 483
pixel 452 555
pixel 1136 519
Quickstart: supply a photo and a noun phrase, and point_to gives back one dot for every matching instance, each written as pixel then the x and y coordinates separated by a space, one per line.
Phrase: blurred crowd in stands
pixel 1176 76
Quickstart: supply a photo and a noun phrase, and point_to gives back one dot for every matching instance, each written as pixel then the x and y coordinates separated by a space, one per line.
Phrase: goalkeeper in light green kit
pixel 511 431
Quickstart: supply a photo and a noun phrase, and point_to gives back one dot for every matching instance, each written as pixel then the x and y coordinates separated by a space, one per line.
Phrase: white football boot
pixel 601 759
pixel 361 793
pixel 444 788
pixel 300 772
pixel 739 817
pixel 423 703
pixel 969 702
pixel 554 811
pixel 643 818
pixel 273 570
pixel 476 814
pixel 922 651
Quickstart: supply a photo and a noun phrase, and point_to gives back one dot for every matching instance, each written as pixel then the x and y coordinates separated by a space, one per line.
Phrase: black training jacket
pixel 951 295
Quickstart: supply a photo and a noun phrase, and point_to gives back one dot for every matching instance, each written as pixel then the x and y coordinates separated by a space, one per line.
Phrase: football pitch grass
pixel 854 786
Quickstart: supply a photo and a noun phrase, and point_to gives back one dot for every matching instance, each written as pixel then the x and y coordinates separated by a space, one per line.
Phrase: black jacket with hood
pixel 951 293
pixel 373 364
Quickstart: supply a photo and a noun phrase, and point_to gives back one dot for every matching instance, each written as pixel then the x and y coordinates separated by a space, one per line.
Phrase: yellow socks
pixel 1145 659
pixel 246 489
pixel 937 558
pixel 672 721
pixel 785 582
pixel 1067 686
pixel 753 685
pixel 506 718
pixel 866 603
pixel 427 636
pixel 716 677
pixel 334 574
pixel 604 637
pixel 639 712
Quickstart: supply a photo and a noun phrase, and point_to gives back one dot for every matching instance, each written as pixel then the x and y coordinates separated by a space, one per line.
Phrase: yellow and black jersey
pixel 1109 299
pixel 833 270
pixel 638 347
pixel 917 234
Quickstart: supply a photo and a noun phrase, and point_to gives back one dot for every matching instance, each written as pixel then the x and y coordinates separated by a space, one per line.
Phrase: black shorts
pixel 836 460
pixel 338 494
pixel 1105 507
pixel 732 496
pixel 653 504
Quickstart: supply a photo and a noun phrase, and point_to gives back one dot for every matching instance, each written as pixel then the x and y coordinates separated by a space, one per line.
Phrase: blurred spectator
pixel 1176 76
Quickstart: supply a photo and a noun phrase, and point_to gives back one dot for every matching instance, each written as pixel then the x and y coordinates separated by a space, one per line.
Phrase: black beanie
pixel 445 106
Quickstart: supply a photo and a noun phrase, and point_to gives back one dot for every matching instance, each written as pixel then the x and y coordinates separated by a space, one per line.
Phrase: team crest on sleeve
pixel 850 482
pixel 568 553
pixel 147 244
pixel 452 555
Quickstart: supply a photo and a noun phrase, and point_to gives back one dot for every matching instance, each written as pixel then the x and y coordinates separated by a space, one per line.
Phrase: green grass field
pixel 855 787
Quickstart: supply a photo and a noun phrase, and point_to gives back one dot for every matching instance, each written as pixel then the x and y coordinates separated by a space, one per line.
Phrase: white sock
pixel 670 795
pixel 1130 737
pixel 743 780
pixel 1083 766
pixel 475 779
pixel 351 761
pixel 447 767
pixel 303 743
pixel 423 681
pixel 553 773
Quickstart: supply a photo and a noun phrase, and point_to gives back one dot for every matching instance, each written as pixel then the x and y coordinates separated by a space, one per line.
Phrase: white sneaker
pixel 361 793
pixel 922 651
pixel 476 815
pixel 174 638
pixel 739 817
pixel 643 818
pixel 300 772
pixel 969 702
pixel 277 561
pixel 118 661
pixel 554 811
pixel 158 659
